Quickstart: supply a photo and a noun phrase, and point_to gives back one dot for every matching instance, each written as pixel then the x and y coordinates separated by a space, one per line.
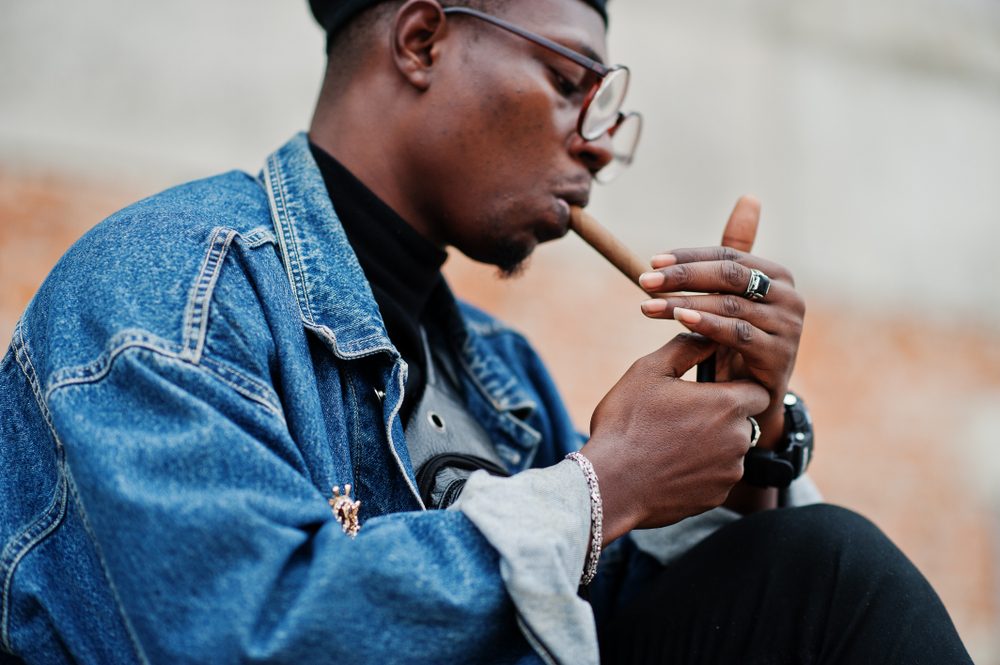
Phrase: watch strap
pixel 778 468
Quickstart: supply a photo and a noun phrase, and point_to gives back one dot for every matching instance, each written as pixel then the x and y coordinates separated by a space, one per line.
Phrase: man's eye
pixel 565 87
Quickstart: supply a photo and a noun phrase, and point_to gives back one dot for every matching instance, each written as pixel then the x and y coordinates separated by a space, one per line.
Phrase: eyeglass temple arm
pixel 600 68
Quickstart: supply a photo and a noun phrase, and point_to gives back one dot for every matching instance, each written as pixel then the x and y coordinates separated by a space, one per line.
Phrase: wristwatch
pixel 778 468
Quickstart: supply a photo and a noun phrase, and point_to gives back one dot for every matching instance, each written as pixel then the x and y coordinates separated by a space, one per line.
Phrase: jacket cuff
pixel 539 522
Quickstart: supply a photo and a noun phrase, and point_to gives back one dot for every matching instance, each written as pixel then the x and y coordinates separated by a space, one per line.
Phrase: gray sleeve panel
pixel 539 522
pixel 803 492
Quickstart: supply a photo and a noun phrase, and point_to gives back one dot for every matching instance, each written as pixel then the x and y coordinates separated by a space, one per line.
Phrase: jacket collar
pixel 333 296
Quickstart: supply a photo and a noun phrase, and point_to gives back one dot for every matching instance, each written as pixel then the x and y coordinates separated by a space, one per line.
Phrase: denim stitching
pixel 288 243
pixel 496 396
pixel 528 429
pixel 97 370
pixel 65 479
pixel 392 445
pixel 196 311
pixel 497 404
pixel 489 329
pixel 245 385
pixel 361 345
pixel 286 238
pixel 327 335
pixel 23 358
pixel 258 237
pixel 354 441
pixel 136 647
pixel 49 519
pixel 47 522
pixel 293 238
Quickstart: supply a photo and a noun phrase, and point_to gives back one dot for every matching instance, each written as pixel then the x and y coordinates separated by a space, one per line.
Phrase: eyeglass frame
pixel 608 174
pixel 598 70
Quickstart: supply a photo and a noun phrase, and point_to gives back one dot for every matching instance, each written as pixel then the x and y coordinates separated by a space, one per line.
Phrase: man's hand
pixel 664 448
pixel 758 340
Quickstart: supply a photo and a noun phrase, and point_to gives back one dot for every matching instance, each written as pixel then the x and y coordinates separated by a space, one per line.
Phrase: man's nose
pixel 596 154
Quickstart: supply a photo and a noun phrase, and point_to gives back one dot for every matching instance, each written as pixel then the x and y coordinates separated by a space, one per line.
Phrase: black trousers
pixel 804 586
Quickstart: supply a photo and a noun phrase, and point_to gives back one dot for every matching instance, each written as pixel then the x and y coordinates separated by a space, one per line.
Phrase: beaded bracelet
pixel 596 517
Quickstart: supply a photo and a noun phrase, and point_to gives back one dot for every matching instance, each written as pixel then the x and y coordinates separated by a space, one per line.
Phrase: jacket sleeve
pixel 221 549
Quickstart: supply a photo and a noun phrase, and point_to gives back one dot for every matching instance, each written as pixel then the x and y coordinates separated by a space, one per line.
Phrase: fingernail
pixel 686 316
pixel 651 280
pixel 655 306
pixel 663 260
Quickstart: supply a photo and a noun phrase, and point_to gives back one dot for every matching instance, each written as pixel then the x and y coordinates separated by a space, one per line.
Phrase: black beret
pixel 333 14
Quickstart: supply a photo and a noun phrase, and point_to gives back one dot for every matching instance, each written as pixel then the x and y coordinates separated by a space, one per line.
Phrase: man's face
pixel 500 158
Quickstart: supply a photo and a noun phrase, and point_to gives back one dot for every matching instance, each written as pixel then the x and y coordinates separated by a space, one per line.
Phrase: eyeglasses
pixel 601 111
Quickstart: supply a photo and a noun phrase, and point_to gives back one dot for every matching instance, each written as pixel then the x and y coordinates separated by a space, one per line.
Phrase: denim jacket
pixel 178 400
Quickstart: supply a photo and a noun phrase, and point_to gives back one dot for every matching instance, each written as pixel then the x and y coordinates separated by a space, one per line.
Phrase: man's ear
pixel 416 30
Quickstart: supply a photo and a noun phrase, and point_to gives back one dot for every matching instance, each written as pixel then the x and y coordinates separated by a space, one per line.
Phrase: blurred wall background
pixel 871 131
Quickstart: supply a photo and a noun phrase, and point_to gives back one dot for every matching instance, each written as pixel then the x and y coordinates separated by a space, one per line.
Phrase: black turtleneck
pixel 403 267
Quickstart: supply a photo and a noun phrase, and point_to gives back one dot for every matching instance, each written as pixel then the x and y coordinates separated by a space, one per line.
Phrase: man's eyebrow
pixel 582 49
pixel 575 45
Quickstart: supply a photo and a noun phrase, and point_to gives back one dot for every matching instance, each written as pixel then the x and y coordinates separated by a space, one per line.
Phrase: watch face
pixel 798 433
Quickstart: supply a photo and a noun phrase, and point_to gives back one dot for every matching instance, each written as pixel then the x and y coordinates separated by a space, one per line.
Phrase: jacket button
pixel 380 395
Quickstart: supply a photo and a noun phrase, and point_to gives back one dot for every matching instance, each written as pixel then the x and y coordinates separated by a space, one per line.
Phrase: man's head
pixel 467 130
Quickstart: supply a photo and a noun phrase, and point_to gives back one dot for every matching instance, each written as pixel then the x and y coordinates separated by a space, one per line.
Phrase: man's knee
pixel 821 532
pixel 827 525
pixel 839 542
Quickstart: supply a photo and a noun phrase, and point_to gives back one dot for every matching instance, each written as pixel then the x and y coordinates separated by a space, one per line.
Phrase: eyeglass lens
pixel 624 139
pixel 602 112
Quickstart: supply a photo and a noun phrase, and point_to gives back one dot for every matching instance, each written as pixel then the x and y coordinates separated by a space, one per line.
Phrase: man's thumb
pixel 741 229
pixel 684 352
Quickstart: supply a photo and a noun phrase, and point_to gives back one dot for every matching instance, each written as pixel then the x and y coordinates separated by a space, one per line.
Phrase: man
pixel 200 370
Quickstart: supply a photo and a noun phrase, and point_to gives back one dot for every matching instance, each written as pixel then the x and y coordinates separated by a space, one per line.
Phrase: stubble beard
pixel 510 257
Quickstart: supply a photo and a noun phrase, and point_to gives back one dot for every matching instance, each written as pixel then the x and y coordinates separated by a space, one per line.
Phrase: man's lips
pixel 562 218
pixel 576 197
pixel 564 202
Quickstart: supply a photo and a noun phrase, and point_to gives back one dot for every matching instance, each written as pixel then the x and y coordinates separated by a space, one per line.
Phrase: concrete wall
pixel 870 130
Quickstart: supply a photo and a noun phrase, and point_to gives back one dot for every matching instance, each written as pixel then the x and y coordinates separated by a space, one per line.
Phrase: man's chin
pixel 513 270
pixel 508 251
pixel 511 258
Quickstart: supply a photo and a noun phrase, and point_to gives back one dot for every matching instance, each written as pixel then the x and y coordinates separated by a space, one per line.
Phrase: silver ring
pixel 759 285
pixel 754 431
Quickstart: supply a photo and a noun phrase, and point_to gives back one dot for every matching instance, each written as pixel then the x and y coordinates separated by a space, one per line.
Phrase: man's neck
pixel 366 134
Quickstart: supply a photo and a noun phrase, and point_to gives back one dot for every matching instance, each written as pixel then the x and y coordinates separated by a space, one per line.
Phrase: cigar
pixel 621 257
pixel 607 245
